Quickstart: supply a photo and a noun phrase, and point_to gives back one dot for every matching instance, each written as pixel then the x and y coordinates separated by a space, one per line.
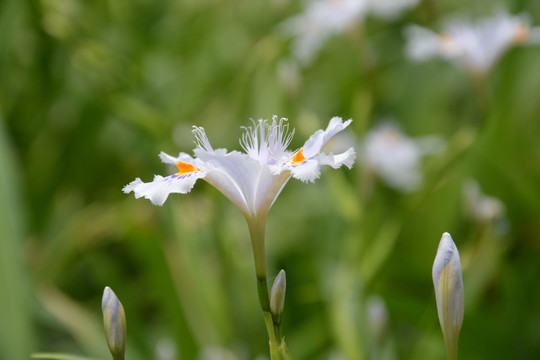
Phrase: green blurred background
pixel 92 91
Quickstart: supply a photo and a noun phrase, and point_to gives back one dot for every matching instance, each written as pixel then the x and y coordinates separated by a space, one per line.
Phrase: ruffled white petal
pixel 314 144
pixel 168 159
pixel 336 161
pixel 159 189
pixel 308 171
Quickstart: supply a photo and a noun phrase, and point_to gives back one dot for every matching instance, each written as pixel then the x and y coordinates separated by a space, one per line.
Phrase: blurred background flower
pixel 395 157
pixel 475 44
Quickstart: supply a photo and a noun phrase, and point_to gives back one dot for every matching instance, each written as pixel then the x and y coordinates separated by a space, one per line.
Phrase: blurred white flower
pixel 395 157
pixel 479 206
pixel 476 45
pixel 390 9
pixel 448 283
pixel 377 316
pixel 217 353
pixel 287 72
pixel 166 350
pixel 323 18
pixel 320 19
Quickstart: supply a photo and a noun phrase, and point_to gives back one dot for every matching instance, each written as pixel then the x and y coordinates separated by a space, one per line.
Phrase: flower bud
pixel 277 295
pixel 114 320
pixel 448 284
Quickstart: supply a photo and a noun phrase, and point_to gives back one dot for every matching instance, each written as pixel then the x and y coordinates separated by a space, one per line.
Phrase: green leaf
pixel 59 356
pixel 16 338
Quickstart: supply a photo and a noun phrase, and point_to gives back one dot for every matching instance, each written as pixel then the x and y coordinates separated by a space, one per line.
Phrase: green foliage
pixel 91 91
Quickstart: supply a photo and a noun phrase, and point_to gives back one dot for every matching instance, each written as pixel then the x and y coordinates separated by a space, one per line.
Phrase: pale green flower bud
pixel 114 320
pixel 277 295
pixel 448 284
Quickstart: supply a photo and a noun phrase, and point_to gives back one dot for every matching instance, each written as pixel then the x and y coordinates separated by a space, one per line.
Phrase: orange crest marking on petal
pixel 184 168
pixel 521 33
pixel 298 157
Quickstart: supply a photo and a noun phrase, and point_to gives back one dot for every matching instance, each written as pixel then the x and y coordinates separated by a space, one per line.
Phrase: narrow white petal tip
pixel 337 120
pixel 314 144
pixel 167 159
pixel 159 189
pixel 131 186
pixel 336 161
pixel 348 158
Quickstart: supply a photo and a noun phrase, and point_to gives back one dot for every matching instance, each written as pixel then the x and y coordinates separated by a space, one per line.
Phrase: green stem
pixel 256 226
pixel 276 319
pixel 451 351
pixel 256 229
pixel 278 348
pixel 262 291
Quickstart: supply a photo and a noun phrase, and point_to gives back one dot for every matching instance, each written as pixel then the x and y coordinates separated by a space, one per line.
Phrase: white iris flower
pixel 253 179
pixel 323 18
pixel 395 157
pixel 320 20
pixel 475 45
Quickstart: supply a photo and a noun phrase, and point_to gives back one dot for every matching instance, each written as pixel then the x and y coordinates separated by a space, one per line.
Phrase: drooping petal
pixel 159 189
pixel 336 161
pixel 314 144
pixel 308 171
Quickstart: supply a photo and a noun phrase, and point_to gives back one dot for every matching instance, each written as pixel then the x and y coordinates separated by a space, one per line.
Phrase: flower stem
pixel 278 349
pixel 256 230
pixel 262 290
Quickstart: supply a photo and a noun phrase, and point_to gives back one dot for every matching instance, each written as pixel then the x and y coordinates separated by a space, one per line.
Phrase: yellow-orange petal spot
pixel 298 157
pixel 184 168
pixel 446 42
pixel 521 33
